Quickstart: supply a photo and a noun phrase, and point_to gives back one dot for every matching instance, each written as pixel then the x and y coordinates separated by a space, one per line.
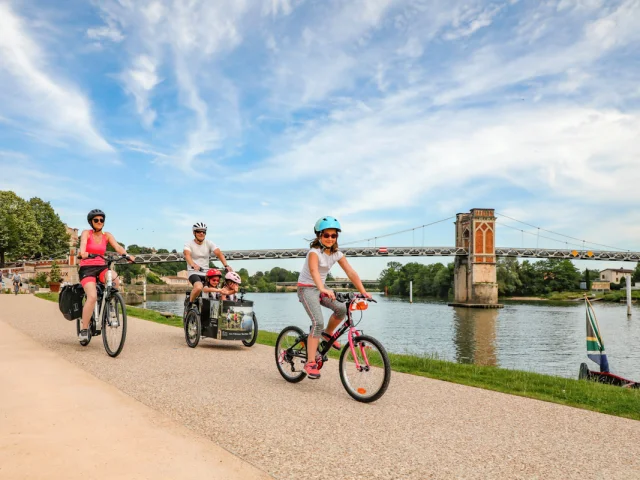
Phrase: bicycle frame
pixel 353 332
pixel 108 286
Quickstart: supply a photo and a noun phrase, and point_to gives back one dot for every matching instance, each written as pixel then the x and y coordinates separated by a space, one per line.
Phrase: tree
pixel 507 272
pixel 20 233
pixel 55 239
pixel 636 273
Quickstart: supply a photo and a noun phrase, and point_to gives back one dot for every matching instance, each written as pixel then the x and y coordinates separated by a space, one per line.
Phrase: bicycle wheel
pixel 291 354
pixel 84 343
pixel 254 337
pixel 114 325
pixel 367 382
pixel 192 328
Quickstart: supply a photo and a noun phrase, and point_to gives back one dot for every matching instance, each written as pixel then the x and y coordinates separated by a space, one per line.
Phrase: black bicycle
pixel 365 370
pixel 111 311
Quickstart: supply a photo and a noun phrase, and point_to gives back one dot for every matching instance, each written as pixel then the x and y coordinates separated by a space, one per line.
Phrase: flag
pixel 595 346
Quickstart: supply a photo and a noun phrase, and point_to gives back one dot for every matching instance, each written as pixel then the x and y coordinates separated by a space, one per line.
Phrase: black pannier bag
pixel 70 301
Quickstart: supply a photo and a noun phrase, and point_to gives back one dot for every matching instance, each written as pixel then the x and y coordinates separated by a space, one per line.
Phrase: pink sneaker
pixel 312 370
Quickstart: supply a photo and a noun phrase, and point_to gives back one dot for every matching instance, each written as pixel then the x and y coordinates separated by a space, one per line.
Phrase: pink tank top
pixel 95 248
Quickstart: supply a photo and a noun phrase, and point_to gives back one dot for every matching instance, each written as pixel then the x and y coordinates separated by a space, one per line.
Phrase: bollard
pixel 628 284
pixel 144 291
pixel 410 291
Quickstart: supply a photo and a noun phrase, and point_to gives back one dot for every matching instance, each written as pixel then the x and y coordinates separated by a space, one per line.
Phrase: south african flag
pixel 595 346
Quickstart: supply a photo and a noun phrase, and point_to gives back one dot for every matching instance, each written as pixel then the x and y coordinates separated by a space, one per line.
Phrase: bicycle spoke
pixel 365 376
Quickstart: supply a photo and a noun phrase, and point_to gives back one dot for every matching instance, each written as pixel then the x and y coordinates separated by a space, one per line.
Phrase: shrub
pixel 42 280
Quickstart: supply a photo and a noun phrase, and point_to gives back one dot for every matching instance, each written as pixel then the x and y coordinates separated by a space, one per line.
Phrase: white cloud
pixel 105 32
pixel 139 81
pixel 31 93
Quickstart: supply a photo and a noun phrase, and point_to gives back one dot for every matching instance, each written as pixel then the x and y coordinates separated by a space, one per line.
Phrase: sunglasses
pixel 201 231
pixel 98 220
pixel 330 235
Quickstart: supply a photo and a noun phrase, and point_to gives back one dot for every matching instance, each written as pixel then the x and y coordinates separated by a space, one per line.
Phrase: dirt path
pixel 421 428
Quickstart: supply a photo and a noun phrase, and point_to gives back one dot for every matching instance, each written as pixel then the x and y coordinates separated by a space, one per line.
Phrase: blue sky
pixel 257 117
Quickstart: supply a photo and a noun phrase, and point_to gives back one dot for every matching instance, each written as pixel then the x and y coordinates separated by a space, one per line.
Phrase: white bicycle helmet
pixel 199 226
pixel 234 277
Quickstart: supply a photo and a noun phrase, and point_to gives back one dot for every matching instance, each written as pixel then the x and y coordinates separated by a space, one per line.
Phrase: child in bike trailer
pixel 312 292
pixel 230 288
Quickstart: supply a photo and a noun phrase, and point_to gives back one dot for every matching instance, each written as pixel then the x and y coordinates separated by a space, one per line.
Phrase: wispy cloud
pixel 32 94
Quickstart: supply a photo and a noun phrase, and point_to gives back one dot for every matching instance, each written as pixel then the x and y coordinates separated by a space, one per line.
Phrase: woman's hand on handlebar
pixel 325 292
pixel 130 258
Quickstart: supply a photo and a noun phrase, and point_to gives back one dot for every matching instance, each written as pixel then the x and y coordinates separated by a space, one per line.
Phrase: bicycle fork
pixel 352 334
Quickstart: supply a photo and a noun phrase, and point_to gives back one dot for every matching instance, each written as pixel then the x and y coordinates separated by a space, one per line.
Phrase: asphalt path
pixel 421 428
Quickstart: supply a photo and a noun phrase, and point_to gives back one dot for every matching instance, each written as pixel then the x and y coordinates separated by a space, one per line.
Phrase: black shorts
pixel 194 277
pixel 93 271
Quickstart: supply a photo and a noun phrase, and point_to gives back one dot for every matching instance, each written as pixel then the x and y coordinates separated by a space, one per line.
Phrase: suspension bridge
pixel 474 252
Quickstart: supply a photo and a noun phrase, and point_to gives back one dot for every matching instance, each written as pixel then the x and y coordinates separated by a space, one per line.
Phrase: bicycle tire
pixel 107 324
pixel 84 343
pixel 361 394
pixel 254 337
pixel 192 328
pixel 284 343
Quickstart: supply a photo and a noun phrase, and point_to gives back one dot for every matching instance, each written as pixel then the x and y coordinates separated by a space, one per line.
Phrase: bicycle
pixel 365 370
pixel 110 308
pixel 16 288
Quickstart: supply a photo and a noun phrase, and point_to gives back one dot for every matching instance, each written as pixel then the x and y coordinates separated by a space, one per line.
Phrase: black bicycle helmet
pixel 94 213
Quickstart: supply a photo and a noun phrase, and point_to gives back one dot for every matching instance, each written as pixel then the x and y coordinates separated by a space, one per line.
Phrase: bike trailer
pixel 229 321
pixel 70 301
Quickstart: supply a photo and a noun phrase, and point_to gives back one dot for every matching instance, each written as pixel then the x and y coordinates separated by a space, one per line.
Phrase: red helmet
pixel 214 273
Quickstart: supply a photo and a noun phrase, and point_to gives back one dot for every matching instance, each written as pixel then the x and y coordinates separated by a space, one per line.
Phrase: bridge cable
pixel 396 233
pixel 560 234
pixel 542 236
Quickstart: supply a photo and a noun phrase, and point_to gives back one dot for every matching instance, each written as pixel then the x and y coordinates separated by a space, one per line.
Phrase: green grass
pixel 607 399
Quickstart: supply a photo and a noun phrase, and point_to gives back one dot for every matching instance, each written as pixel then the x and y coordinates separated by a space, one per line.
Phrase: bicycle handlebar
pixel 108 258
pixel 350 296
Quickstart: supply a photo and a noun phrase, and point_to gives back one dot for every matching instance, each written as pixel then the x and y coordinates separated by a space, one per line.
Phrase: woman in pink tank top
pixel 91 270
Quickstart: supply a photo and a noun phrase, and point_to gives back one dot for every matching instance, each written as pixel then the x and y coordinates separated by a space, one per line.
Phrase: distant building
pixel 600 286
pixel 614 274
pixel 73 235
pixel 175 280
pixel 183 274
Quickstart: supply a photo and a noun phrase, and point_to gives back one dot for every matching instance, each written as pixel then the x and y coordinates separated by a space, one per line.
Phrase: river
pixel 539 337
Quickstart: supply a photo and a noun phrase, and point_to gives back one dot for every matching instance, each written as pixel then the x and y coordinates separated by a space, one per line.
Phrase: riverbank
pixel 581 394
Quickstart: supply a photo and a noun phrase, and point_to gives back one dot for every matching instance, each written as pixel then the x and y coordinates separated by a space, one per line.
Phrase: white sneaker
pixel 83 336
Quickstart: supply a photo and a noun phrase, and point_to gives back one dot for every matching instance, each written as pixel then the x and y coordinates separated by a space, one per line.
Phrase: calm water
pixel 526 336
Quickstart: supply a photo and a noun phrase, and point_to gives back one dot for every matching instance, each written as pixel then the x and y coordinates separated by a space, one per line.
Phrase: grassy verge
pixel 581 394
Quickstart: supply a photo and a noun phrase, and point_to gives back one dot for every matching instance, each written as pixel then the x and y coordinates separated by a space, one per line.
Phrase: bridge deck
pixel 364 252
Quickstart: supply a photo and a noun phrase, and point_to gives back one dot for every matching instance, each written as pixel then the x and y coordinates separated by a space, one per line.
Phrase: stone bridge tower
pixel 475 282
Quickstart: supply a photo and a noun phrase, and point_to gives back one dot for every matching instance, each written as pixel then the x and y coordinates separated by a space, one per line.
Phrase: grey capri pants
pixel 310 298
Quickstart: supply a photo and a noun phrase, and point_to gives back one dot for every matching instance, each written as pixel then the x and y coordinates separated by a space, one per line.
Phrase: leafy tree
pixel 55 239
pixel 20 232
pixel 508 275
pixel 636 273
pixel 163 250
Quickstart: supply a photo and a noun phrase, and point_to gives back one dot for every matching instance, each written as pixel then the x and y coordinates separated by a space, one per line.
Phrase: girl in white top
pixel 312 292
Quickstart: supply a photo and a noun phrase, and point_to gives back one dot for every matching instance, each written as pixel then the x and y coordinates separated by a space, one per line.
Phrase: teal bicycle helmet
pixel 326 222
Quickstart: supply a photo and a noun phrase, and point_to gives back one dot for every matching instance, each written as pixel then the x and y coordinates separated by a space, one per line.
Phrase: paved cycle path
pixel 58 421
pixel 421 428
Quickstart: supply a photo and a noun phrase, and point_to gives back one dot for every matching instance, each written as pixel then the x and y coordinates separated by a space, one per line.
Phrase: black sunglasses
pixel 97 220
pixel 201 231
pixel 329 235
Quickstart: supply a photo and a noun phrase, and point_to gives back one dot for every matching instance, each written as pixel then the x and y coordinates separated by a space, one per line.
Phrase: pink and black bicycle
pixel 365 370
